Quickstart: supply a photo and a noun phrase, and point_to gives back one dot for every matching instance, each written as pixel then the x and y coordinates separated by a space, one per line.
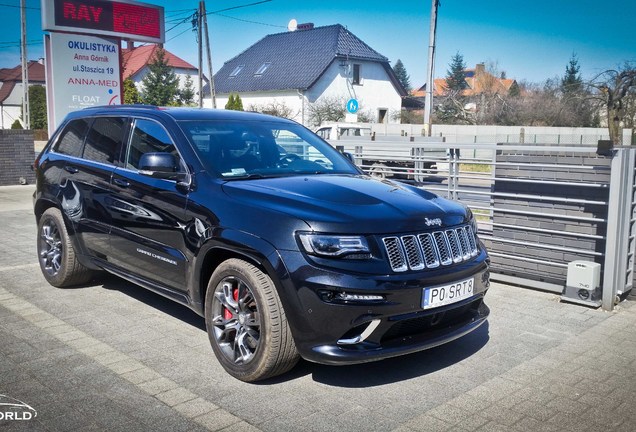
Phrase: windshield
pixel 236 150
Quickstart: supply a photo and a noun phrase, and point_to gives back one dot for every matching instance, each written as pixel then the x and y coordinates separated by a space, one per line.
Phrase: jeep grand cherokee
pixel 284 246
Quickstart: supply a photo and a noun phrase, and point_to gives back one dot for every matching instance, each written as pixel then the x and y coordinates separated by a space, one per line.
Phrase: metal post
pixel 25 68
pixel 428 101
pixel 618 223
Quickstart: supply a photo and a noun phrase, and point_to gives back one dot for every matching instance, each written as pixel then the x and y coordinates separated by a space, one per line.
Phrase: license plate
pixel 447 294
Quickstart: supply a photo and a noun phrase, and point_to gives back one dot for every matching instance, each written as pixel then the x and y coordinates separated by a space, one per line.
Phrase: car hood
pixel 349 204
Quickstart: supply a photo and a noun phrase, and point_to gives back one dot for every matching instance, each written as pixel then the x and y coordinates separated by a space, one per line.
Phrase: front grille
pixel 430 250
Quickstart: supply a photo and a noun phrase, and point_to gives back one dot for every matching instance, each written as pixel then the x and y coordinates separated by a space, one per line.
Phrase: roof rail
pixel 124 106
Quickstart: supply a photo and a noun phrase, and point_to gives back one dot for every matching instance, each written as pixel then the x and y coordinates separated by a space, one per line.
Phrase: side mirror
pixel 158 165
pixel 350 157
pixel 165 166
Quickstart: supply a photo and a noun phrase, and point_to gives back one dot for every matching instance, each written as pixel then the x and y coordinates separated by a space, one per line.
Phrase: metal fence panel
pixel 539 206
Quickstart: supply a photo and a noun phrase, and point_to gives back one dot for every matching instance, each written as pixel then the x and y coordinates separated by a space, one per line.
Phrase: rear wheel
pixel 58 261
pixel 246 323
pixel 379 171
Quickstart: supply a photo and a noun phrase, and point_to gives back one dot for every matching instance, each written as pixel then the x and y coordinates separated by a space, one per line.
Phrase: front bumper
pixel 330 330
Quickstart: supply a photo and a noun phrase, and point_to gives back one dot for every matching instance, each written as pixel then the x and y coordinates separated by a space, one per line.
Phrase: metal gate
pixel 538 207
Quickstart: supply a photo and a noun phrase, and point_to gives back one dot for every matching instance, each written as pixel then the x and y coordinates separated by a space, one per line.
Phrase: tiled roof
pixel 6 89
pixel 135 59
pixel 297 59
pixel 36 73
pixel 477 80
pixel 10 76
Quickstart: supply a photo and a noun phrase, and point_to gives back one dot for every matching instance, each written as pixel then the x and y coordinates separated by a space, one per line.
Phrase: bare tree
pixel 327 108
pixel 614 91
pixel 275 108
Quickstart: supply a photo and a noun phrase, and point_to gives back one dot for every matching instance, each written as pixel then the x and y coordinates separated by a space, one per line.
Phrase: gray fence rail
pixel 539 207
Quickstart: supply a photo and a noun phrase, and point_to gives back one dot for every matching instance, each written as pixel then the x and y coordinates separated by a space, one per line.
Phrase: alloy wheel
pixel 236 320
pixel 51 248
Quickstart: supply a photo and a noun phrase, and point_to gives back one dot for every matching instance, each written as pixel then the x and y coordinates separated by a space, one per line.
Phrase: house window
pixel 236 71
pixel 261 70
pixel 356 74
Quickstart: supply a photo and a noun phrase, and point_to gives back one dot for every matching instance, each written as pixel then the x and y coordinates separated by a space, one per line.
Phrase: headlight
pixel 334 245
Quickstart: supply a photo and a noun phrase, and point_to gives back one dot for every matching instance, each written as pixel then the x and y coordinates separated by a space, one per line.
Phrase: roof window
pixel 261 70
pixel 237 71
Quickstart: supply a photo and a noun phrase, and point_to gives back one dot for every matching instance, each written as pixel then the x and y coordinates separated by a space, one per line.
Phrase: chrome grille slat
pixel 441 241
pixel 431 250
pixel 463 243
pixel 453 242
pixel 413 252
pixel 471 240
pixel 395 254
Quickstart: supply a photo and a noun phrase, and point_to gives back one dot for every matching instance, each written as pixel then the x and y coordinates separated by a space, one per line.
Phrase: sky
pixel 530 40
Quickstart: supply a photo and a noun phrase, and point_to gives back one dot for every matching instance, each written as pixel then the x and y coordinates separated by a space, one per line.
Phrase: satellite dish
pixel 293 25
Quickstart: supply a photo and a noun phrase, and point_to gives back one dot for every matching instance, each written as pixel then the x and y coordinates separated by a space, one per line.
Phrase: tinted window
pixel 265 149
pixel 104 139
pixel 72 138
pixel 148 137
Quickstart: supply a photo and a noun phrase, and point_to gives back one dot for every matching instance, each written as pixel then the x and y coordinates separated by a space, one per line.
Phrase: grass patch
pixel 471 167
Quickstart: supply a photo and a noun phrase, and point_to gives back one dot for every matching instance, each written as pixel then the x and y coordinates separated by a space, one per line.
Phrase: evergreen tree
pixel 455 76
pixel 161 84
pixel 37 107
pixel 403 77
pixel 16 125
pixel 230 102
pixel 186 94
pixel 571 83
pixel 131 94
pixel 514 90
pixel 234 102
pixel 238 103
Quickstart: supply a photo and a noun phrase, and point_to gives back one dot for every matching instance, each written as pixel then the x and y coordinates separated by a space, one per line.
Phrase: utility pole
pixel 25 68
pixel 207 44
pixel 428 102
pixel 200 41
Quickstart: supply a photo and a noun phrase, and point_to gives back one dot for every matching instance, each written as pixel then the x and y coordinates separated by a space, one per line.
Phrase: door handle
pixel 121 182
pixel 71 169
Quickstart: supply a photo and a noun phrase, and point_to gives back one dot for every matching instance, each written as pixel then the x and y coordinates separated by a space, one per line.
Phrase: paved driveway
pixel 112 356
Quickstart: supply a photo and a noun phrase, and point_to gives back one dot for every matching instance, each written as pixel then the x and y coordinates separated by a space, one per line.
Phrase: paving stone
pixel 111 356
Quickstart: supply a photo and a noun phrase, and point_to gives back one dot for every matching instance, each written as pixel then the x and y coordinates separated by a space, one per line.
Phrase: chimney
pixel 305 26
pixel 130 45
pixel 480 68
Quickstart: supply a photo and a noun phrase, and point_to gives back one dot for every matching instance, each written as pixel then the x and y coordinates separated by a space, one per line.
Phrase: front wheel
pixel 246 323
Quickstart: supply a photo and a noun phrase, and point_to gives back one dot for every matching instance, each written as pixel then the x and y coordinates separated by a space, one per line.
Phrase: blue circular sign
pixel 352 106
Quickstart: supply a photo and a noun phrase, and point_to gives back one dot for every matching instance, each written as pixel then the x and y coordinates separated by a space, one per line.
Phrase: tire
pixel 246 323
pixel 58 261
pixel 379 171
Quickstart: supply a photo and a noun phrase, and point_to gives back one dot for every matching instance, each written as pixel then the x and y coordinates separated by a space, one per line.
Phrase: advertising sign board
pixel 84 71
pixel 123 19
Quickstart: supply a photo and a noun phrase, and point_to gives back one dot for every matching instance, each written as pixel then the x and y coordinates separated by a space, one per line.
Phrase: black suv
pixel 282 244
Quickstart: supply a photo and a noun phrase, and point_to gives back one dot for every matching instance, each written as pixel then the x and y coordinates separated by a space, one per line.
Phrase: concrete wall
pixel 505 134
pixel 16 157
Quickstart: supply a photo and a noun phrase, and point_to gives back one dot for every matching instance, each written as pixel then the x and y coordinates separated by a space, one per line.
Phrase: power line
pixel 18 7
pixel 238 7
pixel 249 21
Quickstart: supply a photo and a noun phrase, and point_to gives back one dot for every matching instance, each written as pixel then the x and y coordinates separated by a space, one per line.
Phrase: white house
pixel 301 67
pixel 11 91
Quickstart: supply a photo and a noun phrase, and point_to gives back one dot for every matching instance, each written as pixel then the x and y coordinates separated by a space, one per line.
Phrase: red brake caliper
pixel 227 314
